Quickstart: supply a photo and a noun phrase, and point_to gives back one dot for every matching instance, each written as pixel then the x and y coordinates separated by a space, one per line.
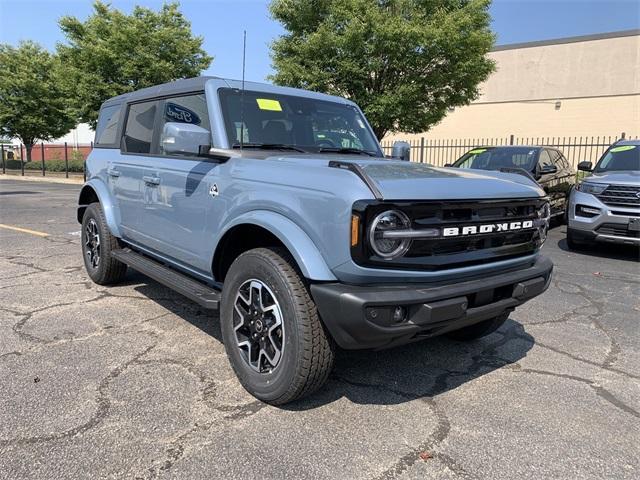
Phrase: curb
pixel 68 181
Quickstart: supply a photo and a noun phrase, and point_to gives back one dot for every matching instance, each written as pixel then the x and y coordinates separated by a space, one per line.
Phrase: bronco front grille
pixel 451 252
pixel 621 196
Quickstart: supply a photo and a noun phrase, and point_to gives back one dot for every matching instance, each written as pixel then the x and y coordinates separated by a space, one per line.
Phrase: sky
pixel 221 23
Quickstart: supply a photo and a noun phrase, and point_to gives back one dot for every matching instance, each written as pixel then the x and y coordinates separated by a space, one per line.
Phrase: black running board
pixel 200 293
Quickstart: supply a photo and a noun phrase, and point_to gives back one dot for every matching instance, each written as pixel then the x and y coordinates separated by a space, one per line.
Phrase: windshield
pixel 624 157
pixel 305 123
pixel 491 158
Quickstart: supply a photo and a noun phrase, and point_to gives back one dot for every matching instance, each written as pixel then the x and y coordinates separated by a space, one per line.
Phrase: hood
pixel 620 177
pixel 411 181
pixel 401 180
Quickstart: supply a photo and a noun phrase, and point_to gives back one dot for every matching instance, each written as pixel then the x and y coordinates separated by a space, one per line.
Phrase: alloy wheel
pixel 92 243
pixel 258 326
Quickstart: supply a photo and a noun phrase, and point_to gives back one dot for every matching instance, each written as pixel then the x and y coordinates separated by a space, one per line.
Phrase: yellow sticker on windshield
pixel 622 148
pixel 478 150
pixel 268 104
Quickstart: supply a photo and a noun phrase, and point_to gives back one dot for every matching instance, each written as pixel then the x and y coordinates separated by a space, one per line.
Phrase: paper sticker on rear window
pixel 478 150
pixel 268 104
pixel 622 148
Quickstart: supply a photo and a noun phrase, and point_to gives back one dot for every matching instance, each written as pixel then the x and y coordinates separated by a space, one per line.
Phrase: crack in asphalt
pixel 102 401
pixel 598 389
pixel 487 359
pixel 587 361
pixel 614 350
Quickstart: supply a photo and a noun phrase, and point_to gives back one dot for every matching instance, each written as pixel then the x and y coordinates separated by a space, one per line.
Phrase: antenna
pixel 244 55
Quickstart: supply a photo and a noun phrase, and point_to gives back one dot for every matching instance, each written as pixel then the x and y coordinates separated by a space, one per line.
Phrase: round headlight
pixel 381 238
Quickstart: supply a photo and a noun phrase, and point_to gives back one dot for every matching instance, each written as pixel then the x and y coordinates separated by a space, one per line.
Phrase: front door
pixel 181 194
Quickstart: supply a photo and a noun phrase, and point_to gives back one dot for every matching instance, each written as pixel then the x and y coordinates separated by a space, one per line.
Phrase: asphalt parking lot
pixel 133 382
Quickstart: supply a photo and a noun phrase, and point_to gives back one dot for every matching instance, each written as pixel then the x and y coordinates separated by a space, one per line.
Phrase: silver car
pixel 605 206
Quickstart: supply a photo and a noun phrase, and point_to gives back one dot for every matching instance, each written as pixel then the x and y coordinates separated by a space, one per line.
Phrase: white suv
pixel 605 206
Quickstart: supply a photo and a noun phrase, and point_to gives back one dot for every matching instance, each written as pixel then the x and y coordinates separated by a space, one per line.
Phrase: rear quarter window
pixel 107 127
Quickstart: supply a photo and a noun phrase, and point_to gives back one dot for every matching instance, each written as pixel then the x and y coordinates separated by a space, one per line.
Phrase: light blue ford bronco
pixel 278 207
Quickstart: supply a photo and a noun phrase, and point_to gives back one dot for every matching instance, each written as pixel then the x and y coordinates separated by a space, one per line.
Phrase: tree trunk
pixel 379 133
pixel 28 147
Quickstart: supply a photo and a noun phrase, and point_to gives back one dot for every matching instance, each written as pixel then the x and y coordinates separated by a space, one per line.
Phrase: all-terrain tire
pixel 479 330
pixel 307 350
pixel 106 270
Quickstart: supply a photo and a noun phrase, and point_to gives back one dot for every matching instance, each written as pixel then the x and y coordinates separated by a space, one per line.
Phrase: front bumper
pixel 362 316
pixel 610 225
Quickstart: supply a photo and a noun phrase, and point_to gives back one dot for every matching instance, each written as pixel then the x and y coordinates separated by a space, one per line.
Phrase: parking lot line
pixel 24 230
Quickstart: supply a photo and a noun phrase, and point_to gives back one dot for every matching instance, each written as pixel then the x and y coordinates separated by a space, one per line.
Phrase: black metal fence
pixel 439 152
pixel 46 159
pixel 66 160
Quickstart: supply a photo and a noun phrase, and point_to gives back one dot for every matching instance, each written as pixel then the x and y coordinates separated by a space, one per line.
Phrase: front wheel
pixel 479 330
pixel 272 333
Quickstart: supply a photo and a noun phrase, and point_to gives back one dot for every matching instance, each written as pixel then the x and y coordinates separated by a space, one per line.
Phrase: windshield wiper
pixel 356 151
pixel 269 146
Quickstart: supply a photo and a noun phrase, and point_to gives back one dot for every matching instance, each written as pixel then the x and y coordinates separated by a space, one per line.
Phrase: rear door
pixel 176 209
pixel 134 166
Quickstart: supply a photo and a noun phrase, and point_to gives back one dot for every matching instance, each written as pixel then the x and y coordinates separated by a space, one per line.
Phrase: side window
pixel 138 132
pixel 107 125
pixel 556 158
pixel 563 161
pixel 191 109
pixel 545 159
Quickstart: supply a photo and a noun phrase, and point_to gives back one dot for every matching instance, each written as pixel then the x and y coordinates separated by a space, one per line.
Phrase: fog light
pixel 399 314
pixel 585 211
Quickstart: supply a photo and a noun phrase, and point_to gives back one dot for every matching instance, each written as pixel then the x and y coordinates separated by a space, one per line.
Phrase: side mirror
pixel 401 150
pixel 585 166
pixel 448 164
pixel 184 138
pixel 547 169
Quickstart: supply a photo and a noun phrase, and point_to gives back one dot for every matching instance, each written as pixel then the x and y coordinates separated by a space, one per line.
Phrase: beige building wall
pixel 577 117
pixel 581 86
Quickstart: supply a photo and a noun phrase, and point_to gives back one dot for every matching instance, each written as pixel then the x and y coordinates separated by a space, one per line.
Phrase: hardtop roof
pixel 198 83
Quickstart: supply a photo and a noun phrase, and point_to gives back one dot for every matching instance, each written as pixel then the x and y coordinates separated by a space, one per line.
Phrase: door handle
pixel 112 172
pixel 149 180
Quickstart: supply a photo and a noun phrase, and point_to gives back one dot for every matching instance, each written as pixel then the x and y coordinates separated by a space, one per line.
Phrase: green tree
pixel 405 62
pixel 32 102
pixel 112 53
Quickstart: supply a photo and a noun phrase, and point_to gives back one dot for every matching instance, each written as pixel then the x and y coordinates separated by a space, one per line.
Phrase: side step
pixel 200 293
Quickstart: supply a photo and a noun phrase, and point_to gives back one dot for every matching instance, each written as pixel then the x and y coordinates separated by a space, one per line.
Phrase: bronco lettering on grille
pixel 486 228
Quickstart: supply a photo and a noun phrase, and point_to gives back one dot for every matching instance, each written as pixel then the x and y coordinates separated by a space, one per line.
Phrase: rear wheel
pixel 479 330
pixel 272 333
pixel 97 245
